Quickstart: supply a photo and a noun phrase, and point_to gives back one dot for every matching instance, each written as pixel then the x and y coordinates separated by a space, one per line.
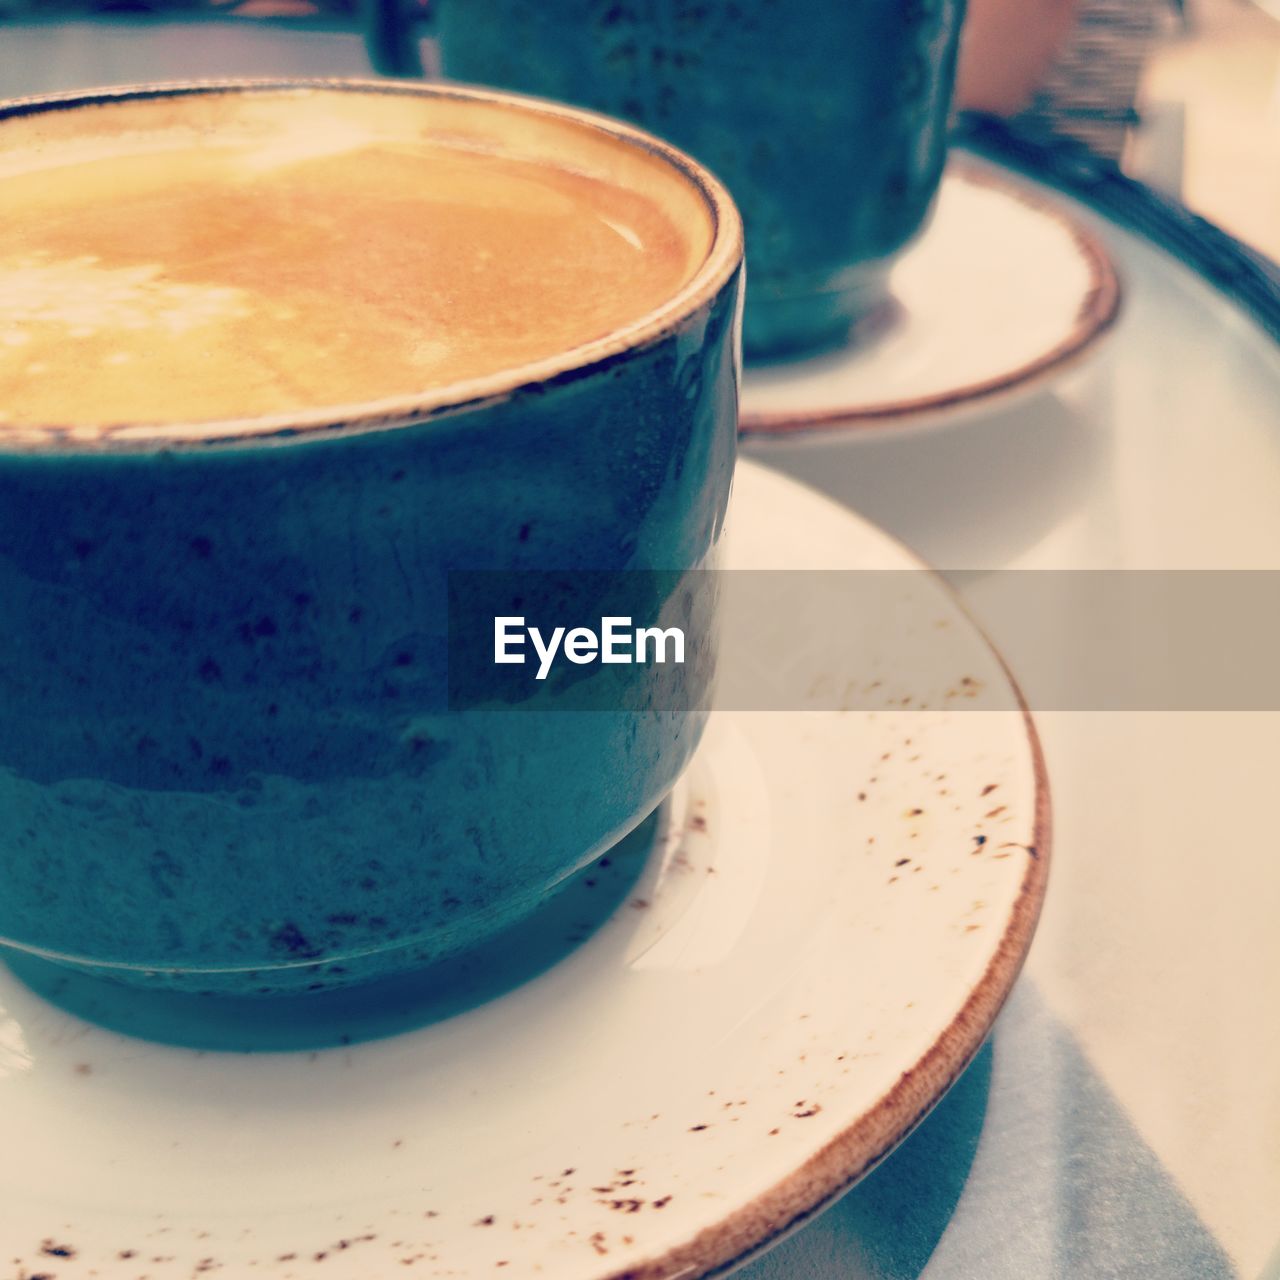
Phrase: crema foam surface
pixel 315 267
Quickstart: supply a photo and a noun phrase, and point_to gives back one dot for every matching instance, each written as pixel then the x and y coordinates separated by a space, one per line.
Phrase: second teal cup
pixel 826 119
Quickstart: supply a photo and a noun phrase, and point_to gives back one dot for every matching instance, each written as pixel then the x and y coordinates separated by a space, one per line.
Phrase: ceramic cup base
pixel 372 1010
pixel 779 327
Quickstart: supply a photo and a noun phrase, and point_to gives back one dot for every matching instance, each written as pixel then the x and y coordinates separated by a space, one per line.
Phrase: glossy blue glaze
pixel 226 759
pixel 825 118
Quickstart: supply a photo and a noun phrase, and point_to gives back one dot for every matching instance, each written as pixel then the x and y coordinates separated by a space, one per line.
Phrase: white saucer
pixel 1003 290
pixel 829 920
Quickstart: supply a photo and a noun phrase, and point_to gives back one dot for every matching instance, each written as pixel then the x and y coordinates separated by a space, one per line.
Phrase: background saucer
pixel 833 909
pixel 1003 289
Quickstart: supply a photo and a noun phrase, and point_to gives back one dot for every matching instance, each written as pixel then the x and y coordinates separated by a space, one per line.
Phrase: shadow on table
pixel 1029 1169
pixel 888 1226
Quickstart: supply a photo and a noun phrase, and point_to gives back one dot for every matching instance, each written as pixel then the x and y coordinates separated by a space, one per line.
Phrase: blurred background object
pixel 1007 50
pixel 56 10
pixel 1223 77
pixel 1069 66
pixel 1184 94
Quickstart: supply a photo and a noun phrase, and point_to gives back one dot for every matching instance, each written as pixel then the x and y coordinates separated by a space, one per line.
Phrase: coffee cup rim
pixel 713 274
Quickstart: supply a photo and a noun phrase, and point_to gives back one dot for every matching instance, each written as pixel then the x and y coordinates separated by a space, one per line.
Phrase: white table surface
pixel 1158 952
pixel 1125 1118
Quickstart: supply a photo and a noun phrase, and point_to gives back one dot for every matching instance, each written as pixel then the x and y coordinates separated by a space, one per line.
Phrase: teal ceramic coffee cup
pixel 826 119
pixel 228 758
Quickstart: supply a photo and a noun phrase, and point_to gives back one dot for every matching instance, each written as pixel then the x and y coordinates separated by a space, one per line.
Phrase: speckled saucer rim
pixel 714 276
pixel 1100 308
pixel 825 1176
